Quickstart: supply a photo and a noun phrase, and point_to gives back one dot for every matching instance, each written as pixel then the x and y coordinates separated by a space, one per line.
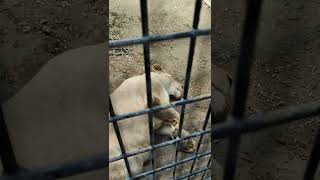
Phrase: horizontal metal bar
pixel 193 174
pixel 266 120
pixel 159 108
pixel 166 143
pixel 68 169
pixel 171 165
pixel 155 38
pixel 252 124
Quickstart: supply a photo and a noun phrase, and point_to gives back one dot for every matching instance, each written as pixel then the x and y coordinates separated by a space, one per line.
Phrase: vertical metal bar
pixel 117 130
pixel 195 24
pixel 314 160
pixel 242 81
pixel 9 162
pixel 208 165
pixel 146 53
pixel 201 137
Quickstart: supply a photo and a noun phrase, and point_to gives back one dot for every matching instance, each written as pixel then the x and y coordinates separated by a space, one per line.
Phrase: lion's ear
pixel 157 67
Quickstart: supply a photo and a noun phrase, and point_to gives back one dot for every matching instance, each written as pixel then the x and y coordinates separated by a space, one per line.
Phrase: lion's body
pixel 131 96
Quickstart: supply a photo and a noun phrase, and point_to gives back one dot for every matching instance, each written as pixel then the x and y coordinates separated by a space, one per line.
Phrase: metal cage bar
pixel 236 126
pixel 204 127
pixel 118 134
pixel 242 82
pixel 196 19
pixel 159 108
pixel 171 165
pixel 8 158
pixel 314 159
pixel 156 38
pixel 166 143
pixel 146 54
pixel 254 123
pixel 96 162
pixel 189 175
pixel 208 166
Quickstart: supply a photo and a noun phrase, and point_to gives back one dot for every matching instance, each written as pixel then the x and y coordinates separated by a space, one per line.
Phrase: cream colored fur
pixel 130 96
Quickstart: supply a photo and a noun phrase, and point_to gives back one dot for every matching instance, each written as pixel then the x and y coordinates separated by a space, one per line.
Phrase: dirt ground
pixel 34 31
pixel 286 72
pixel 164 17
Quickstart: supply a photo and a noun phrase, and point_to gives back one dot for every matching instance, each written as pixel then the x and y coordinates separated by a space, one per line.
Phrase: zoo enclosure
pixel 236 125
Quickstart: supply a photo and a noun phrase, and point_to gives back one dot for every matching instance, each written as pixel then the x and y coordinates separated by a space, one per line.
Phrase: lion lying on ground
pixel 131 96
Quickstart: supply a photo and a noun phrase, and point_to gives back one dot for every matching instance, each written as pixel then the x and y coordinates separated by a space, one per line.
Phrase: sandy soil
pixel 286 72
pixel 164 17
pixel 32 32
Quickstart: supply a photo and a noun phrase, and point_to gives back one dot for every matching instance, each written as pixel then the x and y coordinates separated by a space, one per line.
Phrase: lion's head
pixel 173 87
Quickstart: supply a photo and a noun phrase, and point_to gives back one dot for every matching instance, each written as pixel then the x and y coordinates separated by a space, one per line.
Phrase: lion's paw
pixel 187 146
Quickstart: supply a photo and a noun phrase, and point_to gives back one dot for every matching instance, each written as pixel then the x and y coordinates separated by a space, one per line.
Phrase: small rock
pixel 267 70
pixel 46 30
pixel 43 21
pixel 26 29
pixel 65 4
pixel 84 14
pixel 281 103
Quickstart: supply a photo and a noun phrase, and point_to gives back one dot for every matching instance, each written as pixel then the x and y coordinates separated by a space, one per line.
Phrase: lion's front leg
pixel 169 115
pixel 171 131
pixel 187 145
pixel 171 119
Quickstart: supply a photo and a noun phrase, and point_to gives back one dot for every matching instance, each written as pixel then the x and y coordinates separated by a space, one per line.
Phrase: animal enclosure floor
pixel 33 32
pixel 164 17
pixel 286 72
